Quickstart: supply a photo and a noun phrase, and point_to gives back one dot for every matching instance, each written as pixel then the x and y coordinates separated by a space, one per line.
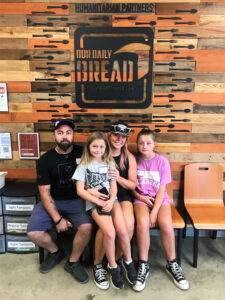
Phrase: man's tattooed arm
pixel 48 202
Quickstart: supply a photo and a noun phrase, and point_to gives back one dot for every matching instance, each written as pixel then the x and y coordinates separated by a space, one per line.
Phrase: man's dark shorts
pixel 73 210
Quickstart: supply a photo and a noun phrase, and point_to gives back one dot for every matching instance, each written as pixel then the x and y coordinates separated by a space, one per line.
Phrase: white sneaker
pixel 142 275
pixel 100 277
pixel 175 272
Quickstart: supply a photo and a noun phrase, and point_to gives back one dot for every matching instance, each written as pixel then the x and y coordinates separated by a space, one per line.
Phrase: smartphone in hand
pixel 103 191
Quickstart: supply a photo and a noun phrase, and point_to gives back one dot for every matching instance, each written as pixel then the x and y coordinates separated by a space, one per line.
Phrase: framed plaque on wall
pixel 28 145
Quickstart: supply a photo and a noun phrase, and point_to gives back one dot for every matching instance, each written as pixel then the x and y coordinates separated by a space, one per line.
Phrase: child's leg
pixel 167 232
pixel 142 231
pixel 121 231
pixel 106 225
pixel 99 248
pixel 128 213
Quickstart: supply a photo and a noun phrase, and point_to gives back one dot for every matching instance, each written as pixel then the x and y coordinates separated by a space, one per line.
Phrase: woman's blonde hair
pixel 86 157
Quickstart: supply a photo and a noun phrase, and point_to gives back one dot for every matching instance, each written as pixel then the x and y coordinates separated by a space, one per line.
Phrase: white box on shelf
pixel 2 179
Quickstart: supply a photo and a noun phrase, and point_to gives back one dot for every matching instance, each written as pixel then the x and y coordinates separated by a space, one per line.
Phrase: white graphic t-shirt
pixel 94 175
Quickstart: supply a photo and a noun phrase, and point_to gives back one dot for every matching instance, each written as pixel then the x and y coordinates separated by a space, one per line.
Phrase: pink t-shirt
pixel 151 174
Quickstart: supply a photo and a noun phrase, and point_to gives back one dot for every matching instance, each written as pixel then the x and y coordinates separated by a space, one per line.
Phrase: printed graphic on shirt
pixel 151 178
pixel 65 172
pixel 95 179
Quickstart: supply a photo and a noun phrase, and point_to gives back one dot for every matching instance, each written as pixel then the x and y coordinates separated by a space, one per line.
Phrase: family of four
pixel 114 189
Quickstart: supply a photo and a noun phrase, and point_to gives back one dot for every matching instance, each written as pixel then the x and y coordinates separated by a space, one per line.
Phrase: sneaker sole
pixel 184 288
pixel 118 288
pixel 139 289
pixel 126 274
pixel 101 287
pixel 67 269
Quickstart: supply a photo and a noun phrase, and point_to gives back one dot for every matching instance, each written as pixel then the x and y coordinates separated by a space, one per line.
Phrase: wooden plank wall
pixel 188 106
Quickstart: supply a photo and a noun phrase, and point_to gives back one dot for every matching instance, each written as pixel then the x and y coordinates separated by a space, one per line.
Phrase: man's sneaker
pixel 116 278
pixel 175 271
pixel 142 275
pixel 100 277
pixel 77 271
pixel 52 260
pixel 130 272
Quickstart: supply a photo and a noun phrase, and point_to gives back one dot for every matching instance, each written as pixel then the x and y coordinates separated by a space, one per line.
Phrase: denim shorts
pixel 73 210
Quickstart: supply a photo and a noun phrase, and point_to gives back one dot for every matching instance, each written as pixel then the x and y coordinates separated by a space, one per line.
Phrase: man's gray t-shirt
pixel 94 175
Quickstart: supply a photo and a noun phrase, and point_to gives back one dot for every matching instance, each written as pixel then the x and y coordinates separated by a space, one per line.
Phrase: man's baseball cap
pixel 61 122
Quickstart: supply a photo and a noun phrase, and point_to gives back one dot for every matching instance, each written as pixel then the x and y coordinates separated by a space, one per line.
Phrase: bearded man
pixel 60 205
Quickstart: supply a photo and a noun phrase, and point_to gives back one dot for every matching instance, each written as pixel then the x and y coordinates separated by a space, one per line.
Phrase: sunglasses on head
pixel 120 128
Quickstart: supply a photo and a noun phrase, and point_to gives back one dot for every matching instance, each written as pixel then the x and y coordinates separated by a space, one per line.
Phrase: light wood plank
pixel 195 157
pixel 201 8
pixel 14 65
pixel 29 76
pixel 202 87
pixel 10 20
pixel 39 97
pixel 18 164
pixel 211 44
pixel 173 147
pixel 16 127
pixel 208 128
pixel 28 32
pixel 212 20
pixel 20 107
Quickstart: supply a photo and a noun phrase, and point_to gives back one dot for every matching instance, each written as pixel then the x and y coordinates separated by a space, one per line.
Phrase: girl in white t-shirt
pixel 92 173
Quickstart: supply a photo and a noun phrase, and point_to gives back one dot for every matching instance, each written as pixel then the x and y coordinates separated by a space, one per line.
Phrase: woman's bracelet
pixel 60 219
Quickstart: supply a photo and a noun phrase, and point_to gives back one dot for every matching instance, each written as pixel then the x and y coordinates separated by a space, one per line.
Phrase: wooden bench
pixel 203 199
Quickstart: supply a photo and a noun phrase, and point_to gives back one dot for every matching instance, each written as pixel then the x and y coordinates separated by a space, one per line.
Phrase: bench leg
pixel 195 249
pixel 179 245
pixel 214 234
pixel 185 221
pixel 41 254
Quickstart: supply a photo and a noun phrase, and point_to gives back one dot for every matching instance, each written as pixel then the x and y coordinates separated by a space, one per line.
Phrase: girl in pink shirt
pixel 152 207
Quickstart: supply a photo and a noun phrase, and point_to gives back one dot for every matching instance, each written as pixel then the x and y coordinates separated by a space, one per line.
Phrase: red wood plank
pixel 37 43
pixel 207 148
pixel 21 174
pixel 201 98
pixel 18 87
pixel 28 8
pixel 206 60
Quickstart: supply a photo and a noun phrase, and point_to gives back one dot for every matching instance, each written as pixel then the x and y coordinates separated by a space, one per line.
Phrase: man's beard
pixel 64 146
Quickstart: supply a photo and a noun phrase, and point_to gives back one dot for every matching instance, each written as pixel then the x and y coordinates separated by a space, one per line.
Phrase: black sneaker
pixel 77 271
pixel 116 278
pixel 100 277
pixel 175 272
pixel 130 272
pixel 52 260
pixel 142 275
pixel 119 263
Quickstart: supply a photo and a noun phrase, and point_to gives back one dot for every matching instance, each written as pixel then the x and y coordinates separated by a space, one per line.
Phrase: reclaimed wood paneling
pixel 188 90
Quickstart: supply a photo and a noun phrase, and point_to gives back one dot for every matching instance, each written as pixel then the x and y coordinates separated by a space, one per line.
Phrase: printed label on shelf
pixel 20 226
pixel 18 207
